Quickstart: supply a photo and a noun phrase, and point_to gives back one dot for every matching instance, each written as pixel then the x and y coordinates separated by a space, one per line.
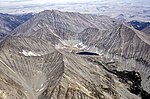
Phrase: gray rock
pixel 32 69
pixel 9 22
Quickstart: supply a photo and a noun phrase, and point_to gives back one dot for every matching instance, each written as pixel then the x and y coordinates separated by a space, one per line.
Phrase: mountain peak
pixel 64 25
pixel 143 36
pixel 49 11
pixel 44 58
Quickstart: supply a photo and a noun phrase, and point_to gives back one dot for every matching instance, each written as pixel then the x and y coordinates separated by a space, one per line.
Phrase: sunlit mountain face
pixel 68 55
pixel 81 49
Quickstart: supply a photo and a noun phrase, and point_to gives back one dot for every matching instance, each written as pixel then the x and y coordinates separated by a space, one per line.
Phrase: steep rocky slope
pixel 122 40
pixel 30 68
pixel 39 60
pixel 65 25
pixel 31 63
pixel 131 47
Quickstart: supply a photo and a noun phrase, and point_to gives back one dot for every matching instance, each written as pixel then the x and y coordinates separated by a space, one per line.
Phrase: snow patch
pixel 29 53
pixel 80 45
pixel 41 89
pixel 41 85
pixel 37 90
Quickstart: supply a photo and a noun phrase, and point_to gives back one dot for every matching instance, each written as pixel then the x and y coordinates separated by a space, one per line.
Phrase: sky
pixel 10 6
pixel 4 4
pixel 22 4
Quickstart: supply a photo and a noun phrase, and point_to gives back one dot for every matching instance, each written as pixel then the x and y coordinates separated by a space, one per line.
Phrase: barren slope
pixel 129 46
pixel 122 40
pixel 32 69
pixel 27 61
pixel 65 25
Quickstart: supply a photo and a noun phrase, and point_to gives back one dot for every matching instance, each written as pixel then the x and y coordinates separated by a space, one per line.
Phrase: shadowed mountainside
pixel 9 22
pixel 146 30
pixel 138 24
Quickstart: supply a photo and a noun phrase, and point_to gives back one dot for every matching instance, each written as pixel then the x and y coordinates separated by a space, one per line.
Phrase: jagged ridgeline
pixel 131 47
pixel 65 25
pixel 38 60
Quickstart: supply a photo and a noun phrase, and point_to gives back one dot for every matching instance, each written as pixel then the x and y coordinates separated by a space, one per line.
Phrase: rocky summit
pixel 68 55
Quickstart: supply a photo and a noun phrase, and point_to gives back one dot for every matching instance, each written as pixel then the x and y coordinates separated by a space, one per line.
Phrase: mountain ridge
pixel 41 61
pixel 10 22
pixel 55 74
pixel 64 22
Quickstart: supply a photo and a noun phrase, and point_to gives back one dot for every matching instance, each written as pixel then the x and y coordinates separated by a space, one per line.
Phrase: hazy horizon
pixel 28 6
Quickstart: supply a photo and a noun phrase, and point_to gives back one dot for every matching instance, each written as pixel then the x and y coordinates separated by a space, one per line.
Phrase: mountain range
pixel 39 60
pixel 9 22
